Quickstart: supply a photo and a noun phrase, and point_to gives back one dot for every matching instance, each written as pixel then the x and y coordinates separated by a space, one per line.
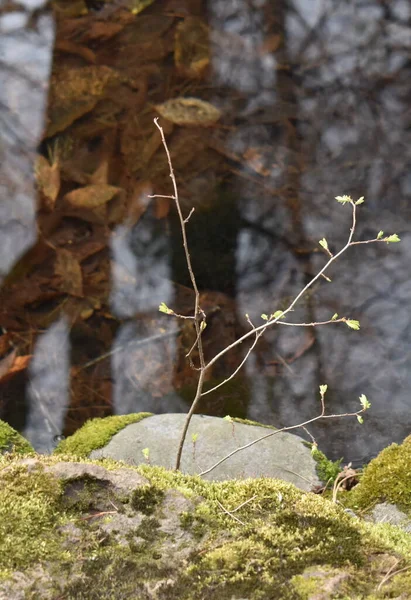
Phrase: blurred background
pixel 271 109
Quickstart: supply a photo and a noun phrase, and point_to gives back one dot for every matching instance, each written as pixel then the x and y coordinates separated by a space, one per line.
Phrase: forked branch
pixel 277 317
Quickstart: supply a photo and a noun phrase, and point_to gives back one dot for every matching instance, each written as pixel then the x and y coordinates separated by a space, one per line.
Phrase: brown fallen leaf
pixel 68 268
pixel 11 365
pixel 192 52
pixel 91 196
pixel 189 111
pixel 48 181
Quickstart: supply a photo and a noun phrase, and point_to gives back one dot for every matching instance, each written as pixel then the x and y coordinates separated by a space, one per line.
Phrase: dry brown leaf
pixel 48 181
pixel 11 365
pixel 189 111
pixel 192 52
pixel 68 268
pixel 100 175
pixel 91 196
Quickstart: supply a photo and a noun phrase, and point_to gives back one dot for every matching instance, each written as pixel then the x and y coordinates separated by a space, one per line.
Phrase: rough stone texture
pixel 281 456
pixel 123 481
pixel 389 513
pixel 118 534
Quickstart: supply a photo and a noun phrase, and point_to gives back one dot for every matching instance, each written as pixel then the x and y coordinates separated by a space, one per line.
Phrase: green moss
pixel 28 514
pixel 386 478
pixel 12 441
pixel 327 470
pixel 96 433
pixel 248 422
pixel 146 498
pixel 281 532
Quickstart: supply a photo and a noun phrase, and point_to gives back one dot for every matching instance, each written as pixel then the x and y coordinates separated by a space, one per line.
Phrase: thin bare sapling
pixel 277 318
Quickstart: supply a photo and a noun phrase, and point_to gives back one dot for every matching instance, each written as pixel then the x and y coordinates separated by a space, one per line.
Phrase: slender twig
pixel 277 431
pixel 392 573
pixel 199 319
pixel 243 504
pixel 296 299
pixel 229 513
pixel 198 313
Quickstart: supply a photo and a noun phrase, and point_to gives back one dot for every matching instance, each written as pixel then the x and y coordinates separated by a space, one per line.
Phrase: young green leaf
pixel 335 316
pixel 360 201
pixel 323 389
pixel 323 243
pixel 380 234
pixel 264 317
pixel 392 238
pixel 353 324
pixel 343 199
pixel 194 437
pixel 164 309
pixel 360 419
pixel 228 418
pixel 279 314
pixel 146 453
pixel 203 325
pixel 364 402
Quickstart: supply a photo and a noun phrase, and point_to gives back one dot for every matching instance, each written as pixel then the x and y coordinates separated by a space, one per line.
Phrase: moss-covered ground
pixel 256 538
pixel 12 441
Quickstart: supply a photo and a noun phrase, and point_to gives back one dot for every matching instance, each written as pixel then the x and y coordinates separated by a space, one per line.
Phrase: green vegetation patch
pixel 146 498
pixel 254 538
pixel 29 501
pixel 327 470
pixel 387 478
pixel 12 441
pixel 96 433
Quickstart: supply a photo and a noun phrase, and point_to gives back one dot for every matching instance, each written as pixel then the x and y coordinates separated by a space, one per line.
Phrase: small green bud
pixel 279 314
pixel 360 419
pixel 380 234
pixel 334 317
pixel 164 309
pixel 392 238
pixel 353 324
pixel 323 389
pixel 364 402
pixel 343 199
pixel 323 243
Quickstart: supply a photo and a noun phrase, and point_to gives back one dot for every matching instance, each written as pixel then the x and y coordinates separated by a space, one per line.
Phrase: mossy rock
pixel 12 441
pixel 254 539
pixel 387 478
pixel 96 433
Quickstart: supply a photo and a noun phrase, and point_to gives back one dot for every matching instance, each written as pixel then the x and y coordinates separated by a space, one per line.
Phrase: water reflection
pixel 315 103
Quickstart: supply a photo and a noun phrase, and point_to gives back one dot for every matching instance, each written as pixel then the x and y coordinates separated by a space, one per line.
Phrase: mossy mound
pixel 387 478
pixel 90 530
pixel 12 441
pixel 96 433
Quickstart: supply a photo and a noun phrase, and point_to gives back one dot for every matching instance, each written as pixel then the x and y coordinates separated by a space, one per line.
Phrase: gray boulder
pixel 209 439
